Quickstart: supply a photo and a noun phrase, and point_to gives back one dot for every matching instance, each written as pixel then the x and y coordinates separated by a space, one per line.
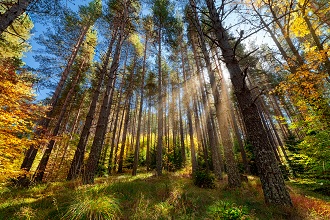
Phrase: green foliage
pixel 135 40
pixel 163 16
pixel 89 14
pixel 204 179
pixel 174 159
pixel 101 170
pixel 128 163
pixel 309 157
pixel 227 211
pixel 13 42
pixel 251 159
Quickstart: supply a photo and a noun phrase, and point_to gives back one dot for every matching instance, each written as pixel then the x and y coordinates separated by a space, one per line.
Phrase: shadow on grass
pixel 142 197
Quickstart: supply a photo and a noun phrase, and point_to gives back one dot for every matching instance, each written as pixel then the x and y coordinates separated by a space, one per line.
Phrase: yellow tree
pixel 307 85
pixel 17 110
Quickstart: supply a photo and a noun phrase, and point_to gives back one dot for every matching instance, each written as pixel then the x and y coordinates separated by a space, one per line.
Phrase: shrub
pixel 227 211
pixel 204 179
pixel 101 170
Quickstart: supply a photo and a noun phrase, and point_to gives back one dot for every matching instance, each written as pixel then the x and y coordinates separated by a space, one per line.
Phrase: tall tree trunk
pixel 121 123
pixel 129 95
pixel 182 144
pixel 73 130
pixel 78 158
pixel 137 147
pixel 271 177
pixel 44 123
pixel 285 32
pixel 189 112
pixel 44 160
pixel 110 163
pixel 223 114
pixel 159 155
pixel 148 135
pixel 211 129
pixel 198 128
pixel 276 41
pixel 123 140
pixel 91 166
pixel 229 108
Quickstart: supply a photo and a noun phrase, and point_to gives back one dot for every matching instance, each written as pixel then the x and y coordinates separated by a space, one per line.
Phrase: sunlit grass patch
pixel 25 212
pixel 93 204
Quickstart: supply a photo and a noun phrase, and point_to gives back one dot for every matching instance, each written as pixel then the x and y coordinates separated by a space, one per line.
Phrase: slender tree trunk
pixel 148 136
pixel 213 145
pixel 73 130
pixel 123 140
pixel 137 147
pixel 44 123
pixel 182 144
pixel 276 41
pixel 78 158
pixel 159 155
pixel 298 58
pixel 229 110
pixel 110 164
pixel 223 114
pixel 44 160
pixel 91 166
pixel 189 113
pixel 118 140
pixel 198 127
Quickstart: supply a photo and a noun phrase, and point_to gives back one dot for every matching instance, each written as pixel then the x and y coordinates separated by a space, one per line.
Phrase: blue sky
pixel 37 30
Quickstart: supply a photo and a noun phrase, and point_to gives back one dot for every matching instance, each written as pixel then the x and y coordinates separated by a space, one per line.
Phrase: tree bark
pixel 159 155
pixel 137 147
pixel 112 145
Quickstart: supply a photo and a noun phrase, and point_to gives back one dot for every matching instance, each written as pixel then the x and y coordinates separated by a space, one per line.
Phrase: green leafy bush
pixel 204 179
pixel 227 211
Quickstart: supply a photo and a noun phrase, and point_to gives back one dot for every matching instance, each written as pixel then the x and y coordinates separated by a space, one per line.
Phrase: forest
pixel 163 109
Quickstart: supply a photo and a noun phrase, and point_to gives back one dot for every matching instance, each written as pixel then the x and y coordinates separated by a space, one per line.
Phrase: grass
pixel 172 196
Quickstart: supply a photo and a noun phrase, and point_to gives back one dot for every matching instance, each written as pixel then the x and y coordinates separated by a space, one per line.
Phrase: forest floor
pixel 145 196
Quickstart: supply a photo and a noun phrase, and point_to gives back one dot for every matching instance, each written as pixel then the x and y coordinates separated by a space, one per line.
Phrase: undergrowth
pixel 171 196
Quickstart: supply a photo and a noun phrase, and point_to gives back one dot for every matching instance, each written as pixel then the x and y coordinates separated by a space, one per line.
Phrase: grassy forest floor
pixel 172 196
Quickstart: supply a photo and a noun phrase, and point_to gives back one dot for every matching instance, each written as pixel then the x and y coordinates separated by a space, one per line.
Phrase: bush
pixel 227 211
pixel 101 170
pixel 204 179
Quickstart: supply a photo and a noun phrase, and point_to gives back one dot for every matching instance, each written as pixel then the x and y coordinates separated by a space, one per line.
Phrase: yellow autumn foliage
pixel 298 26
pixel 18 115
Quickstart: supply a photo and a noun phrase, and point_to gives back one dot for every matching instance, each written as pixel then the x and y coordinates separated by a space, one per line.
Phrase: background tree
pixel 18 109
